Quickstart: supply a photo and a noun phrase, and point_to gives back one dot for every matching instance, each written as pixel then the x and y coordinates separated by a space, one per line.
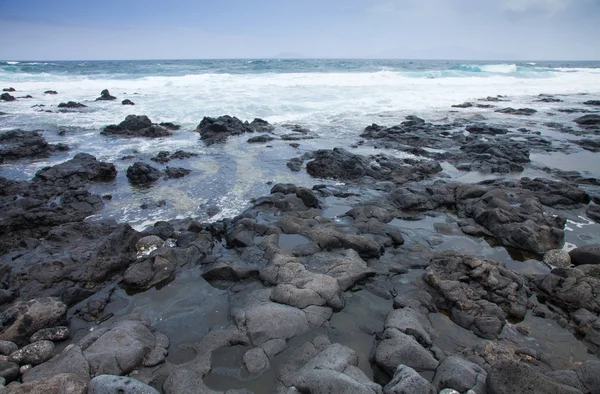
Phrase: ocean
pixel 334 99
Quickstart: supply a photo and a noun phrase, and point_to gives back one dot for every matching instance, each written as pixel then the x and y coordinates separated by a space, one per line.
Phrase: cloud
pixel 546 6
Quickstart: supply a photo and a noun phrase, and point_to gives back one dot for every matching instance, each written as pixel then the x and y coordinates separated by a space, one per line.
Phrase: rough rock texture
pixel 55 334
pixel 71 361
pixel 511 212
pixel 461 375
pixel 166 156
pixel 397 348
pixel 408 381
pixel 18 144
pixel 71 104
pixel 176 172
pixel 109 384
pixel 57 266
pixel 58 384
pixel 142 174
pixel 217 130
pixel 514 377
pixel 479 294
pixel 343 165
pixel 119 349
pixel 137 126
pixel 557 258
pixel 24 318
pixel 33 354
pixel 322 367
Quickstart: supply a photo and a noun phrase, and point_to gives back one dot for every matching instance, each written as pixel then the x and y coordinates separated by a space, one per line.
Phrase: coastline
pixel 414 250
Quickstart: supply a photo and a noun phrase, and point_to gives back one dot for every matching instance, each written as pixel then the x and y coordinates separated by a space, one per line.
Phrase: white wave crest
pixel 499 68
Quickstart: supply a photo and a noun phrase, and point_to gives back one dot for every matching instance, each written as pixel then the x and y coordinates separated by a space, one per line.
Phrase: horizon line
pixel 302 58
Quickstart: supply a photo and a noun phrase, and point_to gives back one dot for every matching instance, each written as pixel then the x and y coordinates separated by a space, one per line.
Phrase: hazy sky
pixel 176 29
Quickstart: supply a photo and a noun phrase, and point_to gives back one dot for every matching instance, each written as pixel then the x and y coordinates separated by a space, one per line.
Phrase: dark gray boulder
pixel 408 381
pixel 176 172
pixel 58 384
pixel 260 139
pixel 142 174
pixel 24 318
pixel 71 104
pixel 593 212
pixel 8 347
pixel 111 384
pixel 7 97
pixel 118 350
pixel 397 348
pixel 343 165
pixel 71 361
pixel 461 375
pixel 127 102
pixel 520 111
pixel 515 377
pixel 33 354
pixel 217 130
pixel 586 254
pixel 54 334
pixel 589 375
pixel 500 293
pixel 9 371
pixel 19 144
pixel 588 120
pixel 137 126
pixel 105 96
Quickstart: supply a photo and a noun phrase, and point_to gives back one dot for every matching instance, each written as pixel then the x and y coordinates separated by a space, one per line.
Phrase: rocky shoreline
pixel 402 290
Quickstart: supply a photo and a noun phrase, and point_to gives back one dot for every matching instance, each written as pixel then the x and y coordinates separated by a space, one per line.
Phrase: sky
pixel 199 29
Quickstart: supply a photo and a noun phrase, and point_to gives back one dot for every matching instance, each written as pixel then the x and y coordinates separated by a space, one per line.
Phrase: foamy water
pixel 336 101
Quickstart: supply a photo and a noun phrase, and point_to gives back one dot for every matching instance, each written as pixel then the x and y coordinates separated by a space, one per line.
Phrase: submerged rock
pixel 261 139
pixel 11 89
pixel 176 172
pixel 50 92
pixel 136 126
pixel 127 102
